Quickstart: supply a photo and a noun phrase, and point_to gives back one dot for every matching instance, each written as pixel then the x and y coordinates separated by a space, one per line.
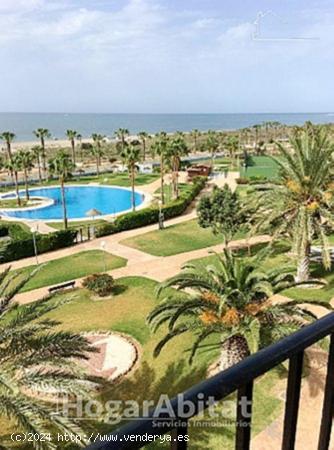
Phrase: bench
pixel 59 287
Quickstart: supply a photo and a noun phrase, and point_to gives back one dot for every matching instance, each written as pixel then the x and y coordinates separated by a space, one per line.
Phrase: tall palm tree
pixel 143 138
pixel 256 129
pixel 98 139
pixel 97 152
pixel 122 134
pixel 160 148
pixel 37 152
pixel 131 157
pixel 301 206
pixel 60 166
pixel 72 135
pixel 230 300
pixel 195 134
pixel 42 134
pixel 27 163
pixel 8 137
pixel 14 165
pixel 79 137
pixel 176 148
pixel 232 145
pixel 212 144
pixel 37 358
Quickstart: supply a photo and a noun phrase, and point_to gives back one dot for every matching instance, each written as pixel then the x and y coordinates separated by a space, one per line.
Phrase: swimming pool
pixel 109 200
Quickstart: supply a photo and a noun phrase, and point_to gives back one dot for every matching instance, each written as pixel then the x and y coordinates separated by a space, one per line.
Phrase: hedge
pixel 148 216
pixel 17 249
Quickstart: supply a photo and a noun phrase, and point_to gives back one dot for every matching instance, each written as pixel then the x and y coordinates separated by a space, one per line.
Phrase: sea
pixel 23 124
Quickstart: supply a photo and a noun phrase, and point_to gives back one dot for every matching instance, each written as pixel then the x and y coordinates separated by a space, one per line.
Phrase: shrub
pixel 148 216
pixel 23 248
pixel 242 181
pixel 220 211
pixel 101 284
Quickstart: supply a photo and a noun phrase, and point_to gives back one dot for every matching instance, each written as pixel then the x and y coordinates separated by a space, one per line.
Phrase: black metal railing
pixel 240 378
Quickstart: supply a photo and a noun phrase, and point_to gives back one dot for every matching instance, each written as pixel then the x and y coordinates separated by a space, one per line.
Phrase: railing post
pixel 244 417
pixel 292 401
pixel 179 436
pixel 328 406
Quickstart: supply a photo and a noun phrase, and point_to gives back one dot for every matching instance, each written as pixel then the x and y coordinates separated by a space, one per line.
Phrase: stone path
pixel 142 264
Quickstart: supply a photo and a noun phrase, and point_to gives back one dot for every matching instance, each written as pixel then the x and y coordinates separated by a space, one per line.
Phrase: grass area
pixel 12 203
pixel 183 237
pixel 71 267
pixel 168 193
pixel 264 166
pixel 170 373
pixel 77 224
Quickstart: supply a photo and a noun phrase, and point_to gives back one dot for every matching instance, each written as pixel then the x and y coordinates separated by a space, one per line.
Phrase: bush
pixel 101 284
pixel 148 216
pixel 220 211
pixel 24 248
pixel 242 181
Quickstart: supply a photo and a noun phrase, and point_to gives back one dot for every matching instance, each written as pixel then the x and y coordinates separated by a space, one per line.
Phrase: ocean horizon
pixel 23 124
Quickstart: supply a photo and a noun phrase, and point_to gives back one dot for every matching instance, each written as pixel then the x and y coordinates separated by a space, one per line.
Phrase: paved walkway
pixel 142 264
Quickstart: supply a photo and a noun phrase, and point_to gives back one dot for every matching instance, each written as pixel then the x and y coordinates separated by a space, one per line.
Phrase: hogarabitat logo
pixel 116 411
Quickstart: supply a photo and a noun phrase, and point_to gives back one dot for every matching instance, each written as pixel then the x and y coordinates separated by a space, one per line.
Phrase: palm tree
pixel 130 157
pixel 122 134
pixel 160 148
pixel 37 151
pixel 26 159
pixel 195 134
pixel 143 138
pixel 8 137
pixel 37 358
pixel 232 145
pixel 61 165
pixel 256 129
pixel 42 134
pixel 79 137
pixel 97 152
pixel 14 165
pixel 176 148
pixel 300 207
pixel 72 135
pixel 230 300
pixel 212 144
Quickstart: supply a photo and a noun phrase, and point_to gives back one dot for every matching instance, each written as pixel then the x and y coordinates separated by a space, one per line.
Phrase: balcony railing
pixel 240 379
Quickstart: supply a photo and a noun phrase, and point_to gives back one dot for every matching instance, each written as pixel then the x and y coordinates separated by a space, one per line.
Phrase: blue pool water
pixel 79 200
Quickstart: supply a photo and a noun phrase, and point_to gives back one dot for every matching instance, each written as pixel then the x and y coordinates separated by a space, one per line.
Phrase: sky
pixel 166 56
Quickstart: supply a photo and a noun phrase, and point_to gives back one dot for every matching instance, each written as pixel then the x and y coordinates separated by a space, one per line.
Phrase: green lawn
pixel 183 187
pixel 183 237
pixel 71 267
pixel 264 166
pixel 117 179
pixel 76 224
pixel 168 374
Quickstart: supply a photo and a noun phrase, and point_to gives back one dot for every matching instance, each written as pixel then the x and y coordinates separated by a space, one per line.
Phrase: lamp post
pixel 103 246
pixel 33 231
pixel 161 216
